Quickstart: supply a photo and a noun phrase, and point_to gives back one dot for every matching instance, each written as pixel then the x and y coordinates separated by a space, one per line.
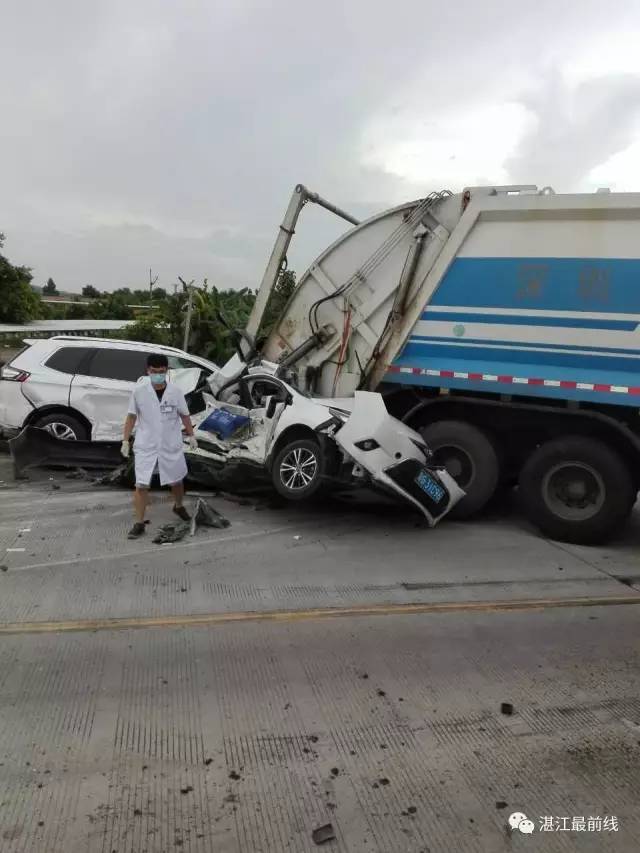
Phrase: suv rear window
pixel 176 362
pixel 67 359
pixel 123 364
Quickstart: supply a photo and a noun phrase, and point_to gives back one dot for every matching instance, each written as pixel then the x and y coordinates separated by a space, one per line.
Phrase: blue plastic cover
pixel 223 423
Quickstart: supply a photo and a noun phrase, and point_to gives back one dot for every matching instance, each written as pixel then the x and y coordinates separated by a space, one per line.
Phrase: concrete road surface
pixel 309 667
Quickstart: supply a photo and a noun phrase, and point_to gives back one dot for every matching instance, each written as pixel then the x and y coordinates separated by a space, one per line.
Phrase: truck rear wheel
pixel 471 459
pixel 577 489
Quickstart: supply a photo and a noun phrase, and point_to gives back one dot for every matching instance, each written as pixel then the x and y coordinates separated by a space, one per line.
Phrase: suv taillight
pixel 13 374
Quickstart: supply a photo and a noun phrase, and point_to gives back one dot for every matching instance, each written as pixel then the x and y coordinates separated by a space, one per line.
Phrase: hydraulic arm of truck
pixel 300 196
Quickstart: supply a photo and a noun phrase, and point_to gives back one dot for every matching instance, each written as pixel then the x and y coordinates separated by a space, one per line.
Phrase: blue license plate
pixel 430 487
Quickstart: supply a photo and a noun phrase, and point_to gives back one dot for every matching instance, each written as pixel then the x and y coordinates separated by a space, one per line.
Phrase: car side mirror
pixel 271 408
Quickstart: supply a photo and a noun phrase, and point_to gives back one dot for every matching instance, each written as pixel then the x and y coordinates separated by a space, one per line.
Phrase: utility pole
pixel 187 323
pixel 152 281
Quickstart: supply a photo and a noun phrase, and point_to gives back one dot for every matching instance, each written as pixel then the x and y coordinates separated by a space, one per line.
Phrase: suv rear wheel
pixel 63 426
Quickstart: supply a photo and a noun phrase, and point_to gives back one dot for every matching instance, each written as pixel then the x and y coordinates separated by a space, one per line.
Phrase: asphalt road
pixel 308 666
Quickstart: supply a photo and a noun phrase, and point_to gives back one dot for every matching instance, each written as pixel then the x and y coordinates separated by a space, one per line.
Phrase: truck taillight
pixel 13 374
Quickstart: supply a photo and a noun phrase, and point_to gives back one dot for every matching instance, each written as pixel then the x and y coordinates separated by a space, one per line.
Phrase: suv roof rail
pixel 84 339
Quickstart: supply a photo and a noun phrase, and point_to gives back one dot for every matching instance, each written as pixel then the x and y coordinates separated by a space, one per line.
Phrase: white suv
pixel 78 388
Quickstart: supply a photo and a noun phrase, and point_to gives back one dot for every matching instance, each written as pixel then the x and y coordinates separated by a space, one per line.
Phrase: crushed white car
pixel 256 426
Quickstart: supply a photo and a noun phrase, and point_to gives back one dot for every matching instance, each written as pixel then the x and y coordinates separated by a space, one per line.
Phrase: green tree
pixel 164 322
pixel 90 291
pixel 18 302
pixel 50 288
pixel 280 295
pixel 76 312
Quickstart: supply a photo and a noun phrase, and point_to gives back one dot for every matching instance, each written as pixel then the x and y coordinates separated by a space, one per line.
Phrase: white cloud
pixel 467 147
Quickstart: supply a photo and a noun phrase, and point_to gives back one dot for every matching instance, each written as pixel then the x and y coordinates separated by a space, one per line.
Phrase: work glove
pixel 193 442
pixel 125 449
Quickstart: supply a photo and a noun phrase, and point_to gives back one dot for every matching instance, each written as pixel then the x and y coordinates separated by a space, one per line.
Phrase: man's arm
pixel 129 424
pixel 186 423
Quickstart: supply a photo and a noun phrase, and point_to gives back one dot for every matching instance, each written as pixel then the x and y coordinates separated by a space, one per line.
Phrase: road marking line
pixel 158 549
pixel 15 550
pixel 212 619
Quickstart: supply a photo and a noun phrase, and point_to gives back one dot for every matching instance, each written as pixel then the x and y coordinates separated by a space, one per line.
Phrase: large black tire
pixel 63 426
pixel 294 464
pixel 577 489
pixel 471 459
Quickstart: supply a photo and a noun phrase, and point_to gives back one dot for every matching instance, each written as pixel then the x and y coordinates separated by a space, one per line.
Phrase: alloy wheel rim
pixel 298 469
pixel 62 431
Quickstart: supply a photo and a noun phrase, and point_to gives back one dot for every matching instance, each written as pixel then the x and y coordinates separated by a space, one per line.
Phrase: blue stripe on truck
pixel 561 284
pixel 529 320
pixel 425 353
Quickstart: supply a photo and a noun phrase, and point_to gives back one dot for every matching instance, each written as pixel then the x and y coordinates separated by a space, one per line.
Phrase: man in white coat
pixel 160 411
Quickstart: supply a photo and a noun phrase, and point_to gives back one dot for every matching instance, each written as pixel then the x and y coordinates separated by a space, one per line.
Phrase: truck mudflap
pixel 395 458
pixel 35 448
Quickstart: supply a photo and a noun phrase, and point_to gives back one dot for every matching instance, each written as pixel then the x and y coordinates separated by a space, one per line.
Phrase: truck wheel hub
pixel 457 462
pixel 574 491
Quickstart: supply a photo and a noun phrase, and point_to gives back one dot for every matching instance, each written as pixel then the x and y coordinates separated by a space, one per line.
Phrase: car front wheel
pixel 297 470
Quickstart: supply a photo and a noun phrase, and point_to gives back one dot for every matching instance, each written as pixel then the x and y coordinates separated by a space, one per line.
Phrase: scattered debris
pixel 365 675
pixel 335 771
pixel 323 834
pixel 78 474
pixel 500 804
pixel 231 798
pixel 187 789
pixel 506 708
pixel 55 487
pixel 235 776
pixel 137 812
pixel 121 476
pixel 4 568
pixel 313 738
pixel 381 693
pixel 208 761
pixel 384 781
pixel 206 516
pixel 412 809
pixel 171 533
pixel 297 538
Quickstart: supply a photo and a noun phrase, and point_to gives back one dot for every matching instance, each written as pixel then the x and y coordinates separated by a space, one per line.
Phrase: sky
pixel 170 135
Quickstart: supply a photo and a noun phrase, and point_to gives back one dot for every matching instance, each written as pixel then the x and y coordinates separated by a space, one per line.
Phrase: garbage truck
pixel 502 323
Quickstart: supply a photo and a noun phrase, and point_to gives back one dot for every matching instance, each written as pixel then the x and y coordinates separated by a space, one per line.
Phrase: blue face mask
pixel 158 378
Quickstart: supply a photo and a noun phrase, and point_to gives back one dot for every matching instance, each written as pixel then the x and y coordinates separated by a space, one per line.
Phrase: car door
pixel 102 391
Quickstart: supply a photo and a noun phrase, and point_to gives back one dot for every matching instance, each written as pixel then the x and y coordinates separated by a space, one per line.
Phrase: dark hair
pixel 156 359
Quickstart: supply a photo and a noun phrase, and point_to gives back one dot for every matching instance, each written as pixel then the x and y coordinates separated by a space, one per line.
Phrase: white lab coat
pixel 158 437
